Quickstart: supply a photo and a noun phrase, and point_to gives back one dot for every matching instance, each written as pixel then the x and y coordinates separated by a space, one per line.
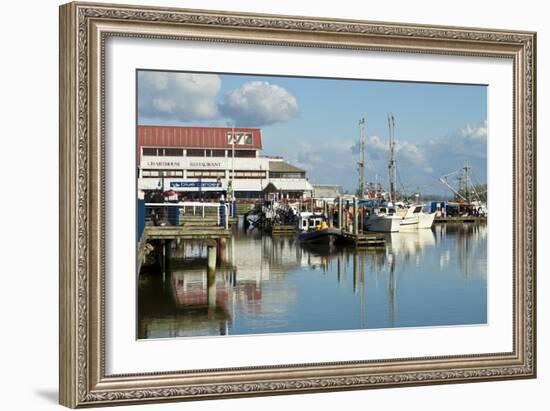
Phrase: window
pixel 195 153
pixel 161 173
pixel 245 153
pixel 173 152
pixel 173 173
pixel 150 173
pixel 148 151
pixel 249 174
pixel 206 173
pixel 218 153
pixel 160 152
pixel 241 138
pixel 276 174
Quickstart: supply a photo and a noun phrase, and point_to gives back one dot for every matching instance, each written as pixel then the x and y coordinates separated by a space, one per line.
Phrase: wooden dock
pixel 364 240
pixel 185 232
pixel 281 229
pixel 166 234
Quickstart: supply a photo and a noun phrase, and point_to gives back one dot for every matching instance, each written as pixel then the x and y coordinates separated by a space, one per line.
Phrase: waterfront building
pixel 327 192
pixel 214 162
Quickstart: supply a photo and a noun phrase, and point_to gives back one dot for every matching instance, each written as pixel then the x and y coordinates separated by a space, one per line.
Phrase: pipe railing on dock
pixel 169 213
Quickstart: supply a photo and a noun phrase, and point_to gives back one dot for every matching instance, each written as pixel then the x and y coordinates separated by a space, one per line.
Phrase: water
pixel 274 285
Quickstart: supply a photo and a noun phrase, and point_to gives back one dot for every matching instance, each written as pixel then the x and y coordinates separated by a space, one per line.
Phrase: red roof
pixel 194 137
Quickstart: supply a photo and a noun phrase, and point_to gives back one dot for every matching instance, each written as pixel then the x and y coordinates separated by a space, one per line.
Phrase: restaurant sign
pixel 188 184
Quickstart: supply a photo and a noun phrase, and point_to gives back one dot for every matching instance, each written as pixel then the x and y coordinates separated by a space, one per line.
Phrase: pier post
pixel 211 276
pixel 163 259
pixel 355 217
pixel 355 273
pixel 167 253
pixel 226 219
pixel 340 213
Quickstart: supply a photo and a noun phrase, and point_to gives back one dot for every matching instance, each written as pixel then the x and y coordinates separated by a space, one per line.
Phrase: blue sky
pixel 313 122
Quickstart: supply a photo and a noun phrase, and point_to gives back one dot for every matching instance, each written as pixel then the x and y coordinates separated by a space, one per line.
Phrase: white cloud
pixel 475 132
pixel 415 155
pixel 375 143
pixel 408 154
pixel 178 96
pixel 419 164
pixel 258 103
pixel 307 156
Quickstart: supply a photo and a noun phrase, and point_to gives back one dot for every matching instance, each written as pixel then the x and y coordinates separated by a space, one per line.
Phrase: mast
pixel 465 186
pixel 391 162
pixel 232 162
pixel 361 163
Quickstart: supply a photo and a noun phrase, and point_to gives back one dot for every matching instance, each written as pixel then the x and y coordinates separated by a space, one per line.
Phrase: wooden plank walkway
pixel 280 229
pixel 364 240
pixel 185 232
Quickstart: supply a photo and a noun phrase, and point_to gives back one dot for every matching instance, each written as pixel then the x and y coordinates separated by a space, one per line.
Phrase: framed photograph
pixel 260 204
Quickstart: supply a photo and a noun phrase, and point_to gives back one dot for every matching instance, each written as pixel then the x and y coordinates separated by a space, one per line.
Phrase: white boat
pixel 426 220
pixel 383 220
pixel 415 219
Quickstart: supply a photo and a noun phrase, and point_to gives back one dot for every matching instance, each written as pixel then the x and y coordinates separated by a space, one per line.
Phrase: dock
pixel 282 229
pixel 165 222
pixel 364 240
pixel 185 232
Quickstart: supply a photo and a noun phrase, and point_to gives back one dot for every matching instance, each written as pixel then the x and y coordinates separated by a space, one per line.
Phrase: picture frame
pixel 84 30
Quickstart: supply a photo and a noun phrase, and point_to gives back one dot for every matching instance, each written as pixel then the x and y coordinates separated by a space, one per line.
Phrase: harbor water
pixel 267 284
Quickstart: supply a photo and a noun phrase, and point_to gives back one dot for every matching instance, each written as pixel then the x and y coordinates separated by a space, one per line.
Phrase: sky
pixel 314 122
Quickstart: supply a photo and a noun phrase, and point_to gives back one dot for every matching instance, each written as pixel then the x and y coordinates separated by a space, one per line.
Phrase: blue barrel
pixel 173 214
pixel 140 217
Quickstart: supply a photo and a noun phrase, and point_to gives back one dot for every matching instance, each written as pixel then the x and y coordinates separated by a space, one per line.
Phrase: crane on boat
pixel 466 187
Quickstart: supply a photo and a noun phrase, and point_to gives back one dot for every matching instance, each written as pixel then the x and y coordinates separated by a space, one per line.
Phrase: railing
pixel 189 212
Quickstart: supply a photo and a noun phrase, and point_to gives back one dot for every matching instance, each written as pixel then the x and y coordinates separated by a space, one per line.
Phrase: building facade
pixel 214 162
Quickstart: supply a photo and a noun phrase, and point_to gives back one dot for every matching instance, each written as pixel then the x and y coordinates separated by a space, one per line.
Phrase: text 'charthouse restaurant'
pixel 214 162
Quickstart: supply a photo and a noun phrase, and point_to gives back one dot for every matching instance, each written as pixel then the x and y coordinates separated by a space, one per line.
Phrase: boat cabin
pixel 309 221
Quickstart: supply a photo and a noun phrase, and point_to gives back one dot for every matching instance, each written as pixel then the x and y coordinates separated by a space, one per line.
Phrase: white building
pixel 207 162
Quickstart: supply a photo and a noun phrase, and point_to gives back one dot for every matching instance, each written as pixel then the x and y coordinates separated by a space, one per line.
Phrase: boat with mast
pixel 383 219
pixel 470 195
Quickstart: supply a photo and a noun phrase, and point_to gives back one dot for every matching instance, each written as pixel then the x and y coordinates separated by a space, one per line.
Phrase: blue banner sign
pixel 184 184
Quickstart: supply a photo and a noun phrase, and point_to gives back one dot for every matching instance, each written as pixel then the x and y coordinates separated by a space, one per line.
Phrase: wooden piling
pixel 355 273
pixel 211 275
pixel 340 212
pixel 355 217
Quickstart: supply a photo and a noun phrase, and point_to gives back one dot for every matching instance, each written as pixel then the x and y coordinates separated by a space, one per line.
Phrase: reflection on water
pixel 263 284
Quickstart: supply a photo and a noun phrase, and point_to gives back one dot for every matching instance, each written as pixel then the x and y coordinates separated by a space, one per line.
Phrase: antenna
pixel 361 163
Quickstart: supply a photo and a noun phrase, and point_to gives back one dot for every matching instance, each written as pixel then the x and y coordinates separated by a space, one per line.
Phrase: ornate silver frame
pixel 83 30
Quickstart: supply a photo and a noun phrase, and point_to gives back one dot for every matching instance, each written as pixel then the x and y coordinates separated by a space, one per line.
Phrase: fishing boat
pixel 383 220
pixel 415 218
pixel 324 236
pixel 426 220
pixel 308 220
